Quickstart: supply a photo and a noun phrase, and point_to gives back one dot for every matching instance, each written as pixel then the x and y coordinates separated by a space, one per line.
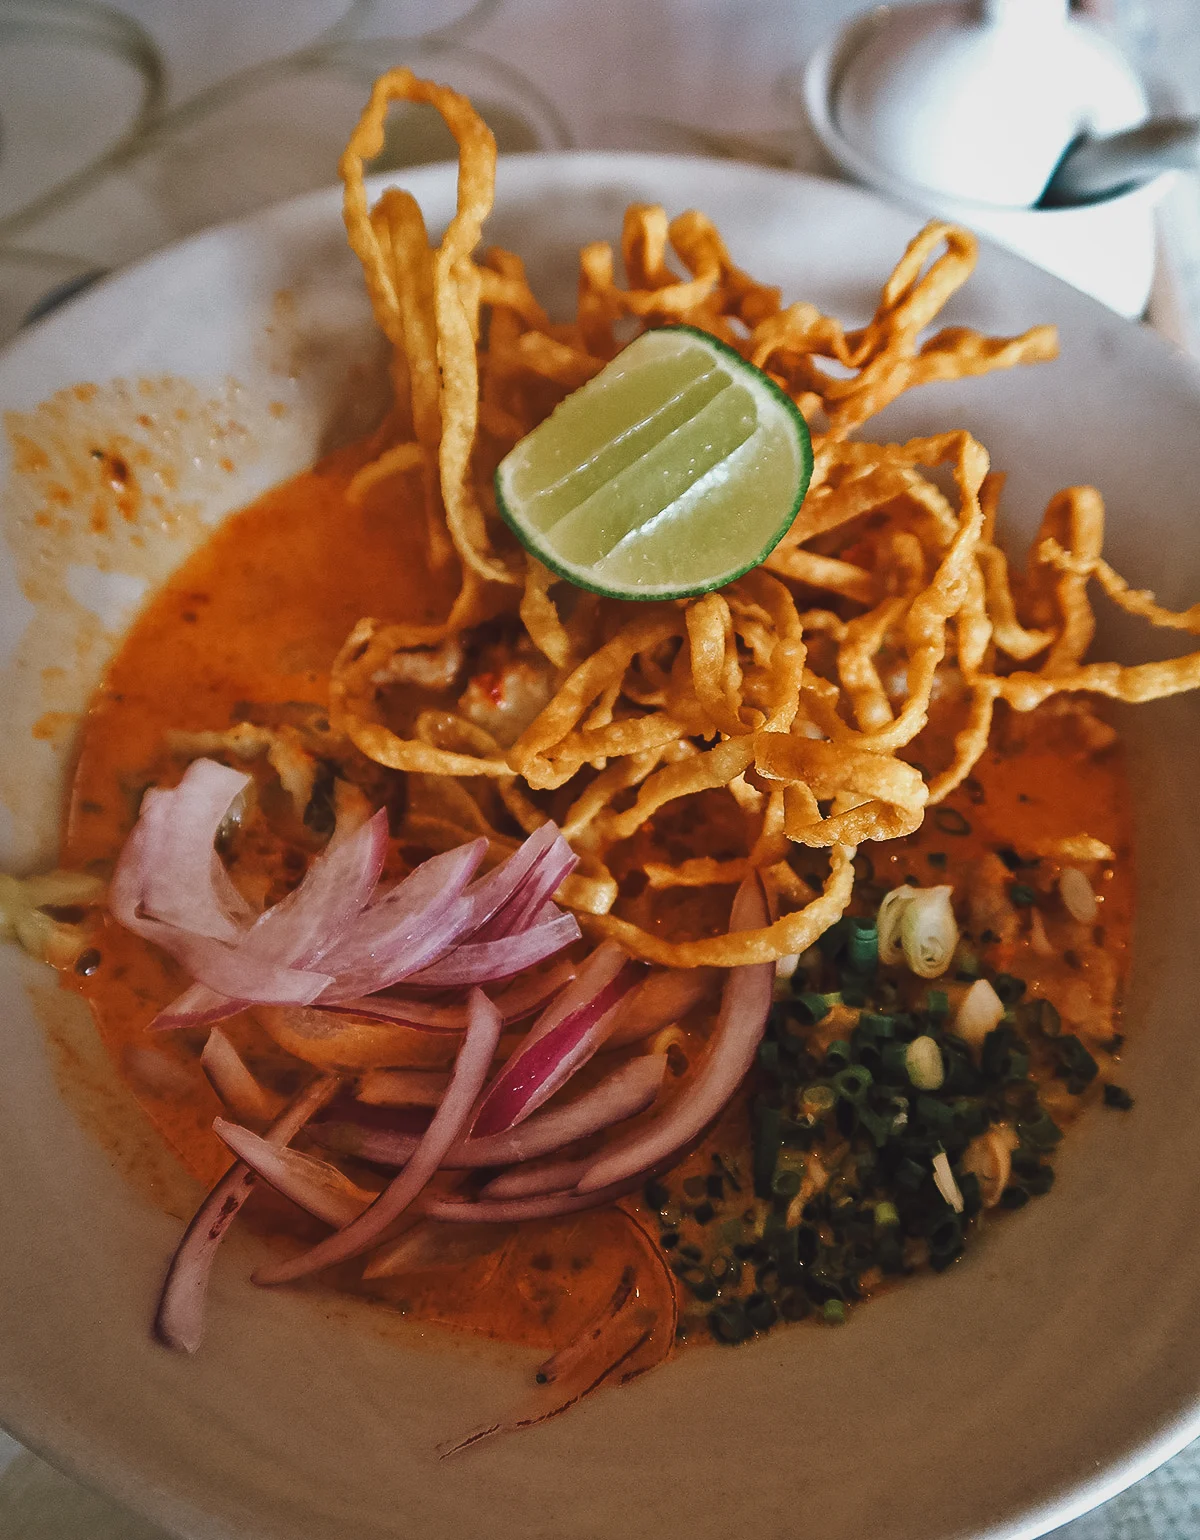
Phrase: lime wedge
pixel 676 469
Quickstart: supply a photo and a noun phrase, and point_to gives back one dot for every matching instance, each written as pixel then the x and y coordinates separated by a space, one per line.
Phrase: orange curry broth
pixel 257 615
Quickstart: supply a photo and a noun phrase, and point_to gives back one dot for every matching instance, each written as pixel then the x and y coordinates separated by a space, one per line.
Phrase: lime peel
pixel 674 470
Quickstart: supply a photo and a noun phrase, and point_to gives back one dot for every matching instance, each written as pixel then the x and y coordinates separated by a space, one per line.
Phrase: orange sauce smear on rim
pixel 256 616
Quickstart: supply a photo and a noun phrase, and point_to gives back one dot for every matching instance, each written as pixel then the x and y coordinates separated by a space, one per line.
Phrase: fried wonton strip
pixel 392 462
pixel 1074 518
pixel 863 638
pixel 889 794
pixel 839 577
pixel 969 743
pixel 552 745
pixel 792 933
pixel 925 624
pixel 455 290
pixel 540 616
pixel 1132 684
pixel 704 772
pixel 285 753
pixel 1134 601
pixel 716 676
pixel 352 701
pixel 1007 631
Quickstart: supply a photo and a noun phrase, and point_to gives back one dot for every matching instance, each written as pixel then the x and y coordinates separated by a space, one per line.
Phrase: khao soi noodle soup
pixel 593 973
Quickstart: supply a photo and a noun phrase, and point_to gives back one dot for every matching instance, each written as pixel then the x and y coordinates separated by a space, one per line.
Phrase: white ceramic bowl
pixel 1057 1363
pixel 1106 248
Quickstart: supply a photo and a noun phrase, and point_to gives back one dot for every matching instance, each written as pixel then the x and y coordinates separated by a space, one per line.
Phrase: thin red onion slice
pixel 536 888
pixel 512 1210
pixel 179 1320
pixel 486 961
pixel 301 927
pixel 411 926
pixel 315 1185
pixel 183 880
pixel 309 922
pixel 521 998
pixel 470 1071
pixel 233 1082
pixel 731 1048
pixel 531 1181
pixel 664 997
pixel 564 1038
pixel 621 1095
pixel 494 893
pixel 213 962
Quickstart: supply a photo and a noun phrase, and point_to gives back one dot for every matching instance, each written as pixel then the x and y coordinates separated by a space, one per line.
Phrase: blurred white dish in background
pixel 1106 248
pixel 978 99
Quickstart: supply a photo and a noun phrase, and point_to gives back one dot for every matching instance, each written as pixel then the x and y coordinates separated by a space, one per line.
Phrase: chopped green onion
pixel 924 1065
pixel 656 1195
pixel 838 1055
pixel 1077 895
pixel 1117 1096
pixel 728 1322
pixel 818 1099
pixel 937 1004
pixel 1021 893
pixel 887 1215
pixel 943 1178
pixel 767 1136
pixel 853 1082
pixel 1041 1016
pixel 1008 987
pixel 760 1311
pixel 928 931
pixel 979 1013
pixel 833 1312
pixel 950 821
pixel 814 1007
pixel 862 946
pixel 1041 1132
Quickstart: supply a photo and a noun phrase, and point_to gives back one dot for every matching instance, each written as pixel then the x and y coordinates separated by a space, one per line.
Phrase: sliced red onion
pixel 556 861
pixel 512 1210
pixel 626 1092
pixel 660 1000
pixel 315 1185
pixel 233 1082
pixel 562 1039
pixel 485 961
pixel 179 1321
pixel 402 1087
pixel 621 1095
pixel 470 1071
pixel 731 1048
pixel 534 1180
pixel 183 880
pixel 412 925
pixel 301 927
pixel 306 925
pixel 521 873
pixel 521 998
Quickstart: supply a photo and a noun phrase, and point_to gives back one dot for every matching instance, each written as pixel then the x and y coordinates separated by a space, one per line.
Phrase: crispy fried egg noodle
pixel 798 690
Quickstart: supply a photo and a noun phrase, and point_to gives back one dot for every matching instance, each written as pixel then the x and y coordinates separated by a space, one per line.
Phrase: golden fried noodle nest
pixel 770 689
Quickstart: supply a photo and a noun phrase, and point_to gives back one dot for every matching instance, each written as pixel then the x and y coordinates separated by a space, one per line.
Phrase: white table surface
pixel 164 116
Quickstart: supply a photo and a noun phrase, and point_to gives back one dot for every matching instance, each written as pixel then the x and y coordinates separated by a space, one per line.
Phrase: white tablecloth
pixel 122 129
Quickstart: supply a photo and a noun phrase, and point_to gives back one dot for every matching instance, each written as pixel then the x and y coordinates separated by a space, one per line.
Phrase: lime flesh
pixel 677 468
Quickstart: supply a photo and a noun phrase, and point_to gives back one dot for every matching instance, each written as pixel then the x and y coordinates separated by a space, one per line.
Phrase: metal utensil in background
pixel 1096 167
